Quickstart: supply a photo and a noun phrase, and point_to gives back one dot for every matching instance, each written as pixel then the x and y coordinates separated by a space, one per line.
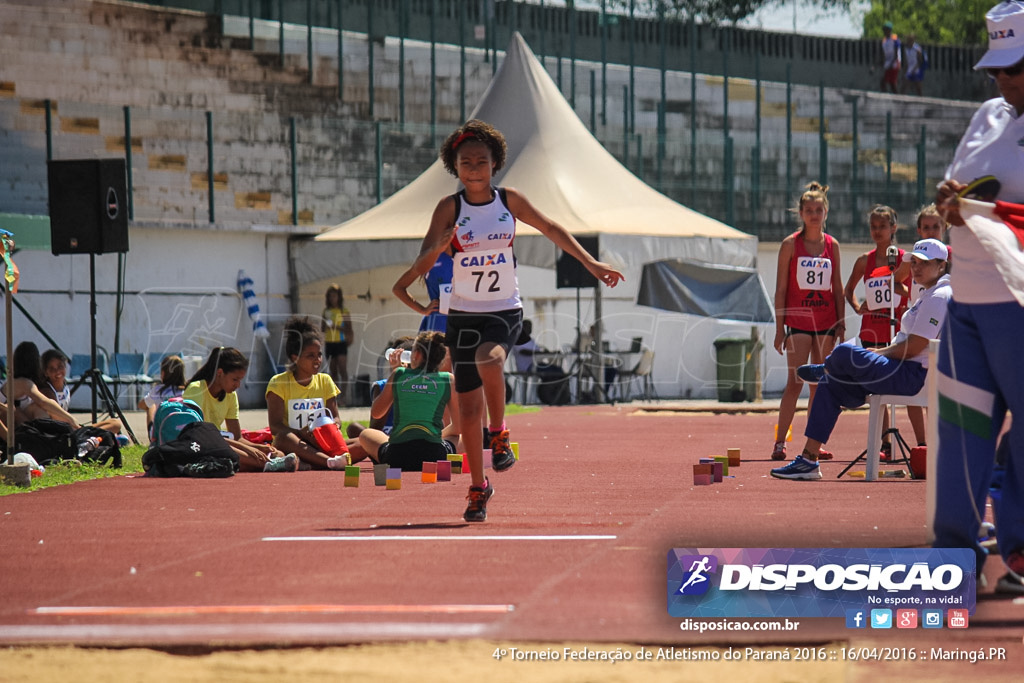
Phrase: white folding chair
pixel 881 402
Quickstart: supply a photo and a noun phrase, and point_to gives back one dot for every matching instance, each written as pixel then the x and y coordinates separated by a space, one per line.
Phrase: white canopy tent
pixel 569 176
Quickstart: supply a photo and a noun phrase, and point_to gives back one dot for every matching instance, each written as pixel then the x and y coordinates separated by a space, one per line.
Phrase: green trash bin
pixel 737 369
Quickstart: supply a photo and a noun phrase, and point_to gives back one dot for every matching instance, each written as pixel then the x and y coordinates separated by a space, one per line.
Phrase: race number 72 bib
pixel 878 292
pixel 484 275
pixel 303 412
pixel 814 273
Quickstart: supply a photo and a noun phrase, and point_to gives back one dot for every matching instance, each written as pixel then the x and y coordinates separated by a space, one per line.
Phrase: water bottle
pixel 328 436
pixel 90 444
pixel 404 359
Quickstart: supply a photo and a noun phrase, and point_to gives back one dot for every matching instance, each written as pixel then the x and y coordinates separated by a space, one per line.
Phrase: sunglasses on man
pixel 1011 71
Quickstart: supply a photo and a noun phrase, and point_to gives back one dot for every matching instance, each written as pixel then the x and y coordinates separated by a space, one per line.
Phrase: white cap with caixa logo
pixel 1005 36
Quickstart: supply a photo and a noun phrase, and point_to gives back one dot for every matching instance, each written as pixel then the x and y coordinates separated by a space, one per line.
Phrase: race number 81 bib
pixel 814 273
pixel 303 412
pixel 484 275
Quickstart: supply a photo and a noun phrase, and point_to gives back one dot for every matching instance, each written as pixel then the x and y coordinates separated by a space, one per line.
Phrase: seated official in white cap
pixel 850 373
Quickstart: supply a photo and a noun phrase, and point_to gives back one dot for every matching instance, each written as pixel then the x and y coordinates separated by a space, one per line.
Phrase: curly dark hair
pixel 474 129
pixel 431 345
pixel 300 332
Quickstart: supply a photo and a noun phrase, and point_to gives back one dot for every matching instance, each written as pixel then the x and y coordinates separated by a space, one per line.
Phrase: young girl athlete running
pixel 477 226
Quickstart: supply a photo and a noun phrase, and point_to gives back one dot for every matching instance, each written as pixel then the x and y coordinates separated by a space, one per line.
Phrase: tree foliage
pixel 705 11
pixel 946 22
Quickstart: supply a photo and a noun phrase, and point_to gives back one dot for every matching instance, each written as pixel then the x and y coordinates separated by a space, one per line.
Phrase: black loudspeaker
pixel 570 273
pixel 88 206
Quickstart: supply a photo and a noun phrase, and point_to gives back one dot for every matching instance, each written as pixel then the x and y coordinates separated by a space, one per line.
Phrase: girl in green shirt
pixel 422 398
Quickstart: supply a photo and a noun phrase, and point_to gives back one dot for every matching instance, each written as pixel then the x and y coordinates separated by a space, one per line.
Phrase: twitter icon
pixel 881 618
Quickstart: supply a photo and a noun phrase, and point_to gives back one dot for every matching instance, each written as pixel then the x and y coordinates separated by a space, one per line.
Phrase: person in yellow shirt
pixel 337 329
pixel 213 389
pixel 301 394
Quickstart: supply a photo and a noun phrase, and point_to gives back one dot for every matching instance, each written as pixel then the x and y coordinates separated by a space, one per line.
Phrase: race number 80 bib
pixel 303 412
pixel 484 275
pixel 814 273
pixel 878 292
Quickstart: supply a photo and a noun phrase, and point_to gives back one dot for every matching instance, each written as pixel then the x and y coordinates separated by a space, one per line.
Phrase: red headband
pixel 462 138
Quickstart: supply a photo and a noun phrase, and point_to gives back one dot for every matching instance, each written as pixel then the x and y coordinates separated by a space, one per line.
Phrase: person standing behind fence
pixel 917 61
pixel 478 226
pixel 890 59
pixel 809 303
pixel 337 329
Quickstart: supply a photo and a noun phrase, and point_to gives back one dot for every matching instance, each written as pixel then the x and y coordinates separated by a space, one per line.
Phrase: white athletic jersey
pixel 483 265
pixel 63 397
pixel 926 316
pixel 993 145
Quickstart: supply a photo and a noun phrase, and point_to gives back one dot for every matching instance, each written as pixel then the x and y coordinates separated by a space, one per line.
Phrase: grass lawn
pixel 71 471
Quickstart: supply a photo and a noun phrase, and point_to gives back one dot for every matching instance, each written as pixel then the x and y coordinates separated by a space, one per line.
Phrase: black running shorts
pixel 469 331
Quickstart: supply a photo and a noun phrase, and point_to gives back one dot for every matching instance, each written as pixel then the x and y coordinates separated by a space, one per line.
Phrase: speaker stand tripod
pixel 897 441
pixel 93 376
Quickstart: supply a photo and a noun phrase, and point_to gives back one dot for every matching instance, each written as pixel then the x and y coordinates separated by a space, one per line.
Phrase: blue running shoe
pixel 800 468
pixel 812 374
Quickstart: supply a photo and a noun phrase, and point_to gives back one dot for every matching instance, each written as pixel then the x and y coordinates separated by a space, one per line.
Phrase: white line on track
pixel 335 632
pixel 442 538
pixel 157 610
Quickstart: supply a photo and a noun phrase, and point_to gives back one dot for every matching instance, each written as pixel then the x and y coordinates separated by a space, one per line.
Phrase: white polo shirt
pixel 926 316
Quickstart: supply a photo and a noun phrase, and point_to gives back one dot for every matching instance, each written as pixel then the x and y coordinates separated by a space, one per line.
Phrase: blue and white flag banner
pixel 816 582
pixel 252 307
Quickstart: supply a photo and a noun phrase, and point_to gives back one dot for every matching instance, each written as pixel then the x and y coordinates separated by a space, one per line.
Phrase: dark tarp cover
pixel 714 291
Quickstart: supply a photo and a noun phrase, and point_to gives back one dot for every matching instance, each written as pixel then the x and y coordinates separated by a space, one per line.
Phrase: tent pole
pixel 599 389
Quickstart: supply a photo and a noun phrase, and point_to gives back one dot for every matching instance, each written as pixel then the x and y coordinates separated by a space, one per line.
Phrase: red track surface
pixel 177 562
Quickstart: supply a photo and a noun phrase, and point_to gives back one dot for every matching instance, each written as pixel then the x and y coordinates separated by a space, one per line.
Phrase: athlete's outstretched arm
pixel 523 210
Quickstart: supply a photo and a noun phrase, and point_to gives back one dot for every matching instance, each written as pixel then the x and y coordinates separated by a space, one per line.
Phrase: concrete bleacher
pixel 91 59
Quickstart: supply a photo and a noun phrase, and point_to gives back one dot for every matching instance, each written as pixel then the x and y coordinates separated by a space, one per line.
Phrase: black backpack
pixel 50 441
pixel 199 451
pixel 46 440
pixel 108 448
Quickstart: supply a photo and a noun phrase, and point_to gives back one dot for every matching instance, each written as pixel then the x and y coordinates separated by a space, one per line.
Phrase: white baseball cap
pixel 930 249
pixel 1005 36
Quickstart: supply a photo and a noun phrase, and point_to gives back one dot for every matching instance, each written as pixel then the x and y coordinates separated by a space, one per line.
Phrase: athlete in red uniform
pixel 872 268
pixel 809 304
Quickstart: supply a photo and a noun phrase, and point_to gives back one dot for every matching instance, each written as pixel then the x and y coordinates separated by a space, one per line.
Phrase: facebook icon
pixel 856 618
